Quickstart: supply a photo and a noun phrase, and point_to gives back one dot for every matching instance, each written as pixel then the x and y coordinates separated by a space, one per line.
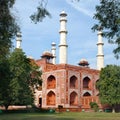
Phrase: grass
pixel 61 116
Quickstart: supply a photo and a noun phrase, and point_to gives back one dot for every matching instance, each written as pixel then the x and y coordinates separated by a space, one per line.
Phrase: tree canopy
pixel 20 68
pixel 8 26
pixel 17 88
pixel 109 85
pixel 18 75
pixel 41 12
pixel 108 16
pixel 4 81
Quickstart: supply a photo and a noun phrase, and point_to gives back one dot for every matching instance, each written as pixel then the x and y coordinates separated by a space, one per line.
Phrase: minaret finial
pixel 18 40
pixel 100 55
pixel 63 35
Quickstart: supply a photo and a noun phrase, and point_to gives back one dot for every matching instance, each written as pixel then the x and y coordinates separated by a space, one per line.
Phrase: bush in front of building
pixel 94 106
pixel 33 109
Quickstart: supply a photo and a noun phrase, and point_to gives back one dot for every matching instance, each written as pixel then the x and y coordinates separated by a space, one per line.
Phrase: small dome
pixel 63 13
pixel 53 44
pixel 83 62
pixel 30 57
pixel 19 34
pixel 47 54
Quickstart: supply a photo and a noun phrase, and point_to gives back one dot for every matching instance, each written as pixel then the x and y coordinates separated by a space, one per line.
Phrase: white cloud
pixel 87 7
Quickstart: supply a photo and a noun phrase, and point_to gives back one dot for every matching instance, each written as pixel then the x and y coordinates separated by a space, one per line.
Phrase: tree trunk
pixel 6 107
pixel 113 108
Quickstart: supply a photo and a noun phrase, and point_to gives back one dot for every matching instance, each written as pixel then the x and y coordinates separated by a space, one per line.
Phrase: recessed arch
pixel 73 82
pixel 51 82
pixel 86 83
pixel 51 98
pixel 86 94
pixel 73 99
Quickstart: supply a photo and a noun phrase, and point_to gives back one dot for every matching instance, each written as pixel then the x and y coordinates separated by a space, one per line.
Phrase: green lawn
pixel 61 116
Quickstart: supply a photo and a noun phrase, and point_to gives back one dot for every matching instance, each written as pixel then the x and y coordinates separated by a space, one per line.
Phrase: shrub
pixel 94 106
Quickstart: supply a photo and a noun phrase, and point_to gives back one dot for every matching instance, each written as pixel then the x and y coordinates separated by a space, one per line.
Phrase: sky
pixel 81 40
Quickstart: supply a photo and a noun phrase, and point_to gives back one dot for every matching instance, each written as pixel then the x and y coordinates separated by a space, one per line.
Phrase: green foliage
pixel 8 26
pixel 109 85
pixel 41 13
pixel 94 106
pixel 35 80
pixel 20 68
pixel 108 16
pixel 4 81
pixel 15 83
pixel 8 29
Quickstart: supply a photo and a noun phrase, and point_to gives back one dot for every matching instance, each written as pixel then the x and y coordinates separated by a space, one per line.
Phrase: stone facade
pixel 68 85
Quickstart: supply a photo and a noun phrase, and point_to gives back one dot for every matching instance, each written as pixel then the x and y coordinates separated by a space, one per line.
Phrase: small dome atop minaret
pixel 83 63
pixel 47 54
pixel 63 13
pixel 53 44
pixel 19 34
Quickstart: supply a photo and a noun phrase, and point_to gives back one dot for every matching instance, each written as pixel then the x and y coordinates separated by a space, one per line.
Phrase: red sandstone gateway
pixel 72 87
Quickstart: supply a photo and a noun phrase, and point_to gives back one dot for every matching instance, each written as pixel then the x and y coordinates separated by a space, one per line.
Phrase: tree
pixel 8 29
pixel 41 12
pixel 94 106
pixel 108 16
pixel 35 80
pixel 109 85
pixel 18 90
pixel 8 26
pixel 4 81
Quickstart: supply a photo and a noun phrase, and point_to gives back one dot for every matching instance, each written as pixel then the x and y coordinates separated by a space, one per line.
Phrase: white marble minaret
pixel 53 50
pixel 63 43
pixel 18 40
pixel 100 55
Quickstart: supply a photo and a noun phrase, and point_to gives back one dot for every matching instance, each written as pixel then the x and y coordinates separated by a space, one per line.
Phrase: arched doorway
pixel 40 102
pixel 73 82
pixel 86 99
pixel 86 83
pixel 51 98
pixel 73 99
pixel 51 82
